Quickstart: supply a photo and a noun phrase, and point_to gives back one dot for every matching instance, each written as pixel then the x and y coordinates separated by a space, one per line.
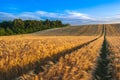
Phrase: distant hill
pixel 86 30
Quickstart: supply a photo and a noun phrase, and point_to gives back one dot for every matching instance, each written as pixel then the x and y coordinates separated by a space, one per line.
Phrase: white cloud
pixel 77 15
pixel 28 16
pixel 6 16
pixel 110 19
pixel 46 14
pixel 67 16
pixel 25 16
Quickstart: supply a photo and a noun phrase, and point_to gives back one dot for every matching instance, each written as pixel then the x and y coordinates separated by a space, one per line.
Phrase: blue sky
pixel 69 11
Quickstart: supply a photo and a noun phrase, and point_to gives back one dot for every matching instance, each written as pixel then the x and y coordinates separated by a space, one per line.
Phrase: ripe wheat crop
pixel 79 65
pixel 19 54
pixel 114 48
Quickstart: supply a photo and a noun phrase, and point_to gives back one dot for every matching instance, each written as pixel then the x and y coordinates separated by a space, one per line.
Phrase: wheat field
pixel 114 48
pixel 89 52
pixel 79 65
pixel 86 30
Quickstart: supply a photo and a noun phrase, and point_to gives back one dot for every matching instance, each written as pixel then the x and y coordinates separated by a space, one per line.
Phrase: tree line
pixel 19 26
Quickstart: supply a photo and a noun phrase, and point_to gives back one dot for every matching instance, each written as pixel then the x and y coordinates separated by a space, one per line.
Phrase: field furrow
pixel 79 65
pixel 20 55
pixel 104 70
pixel 90 52
pixel 85 30
pixel 112 30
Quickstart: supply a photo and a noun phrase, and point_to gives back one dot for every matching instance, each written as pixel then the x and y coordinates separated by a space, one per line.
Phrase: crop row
pixel 79 65
pixel 19 55
pixel 114 49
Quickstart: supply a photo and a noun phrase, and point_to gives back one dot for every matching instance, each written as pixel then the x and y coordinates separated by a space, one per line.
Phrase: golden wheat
pixel 79 65
pixel 19 54
pixel 114 48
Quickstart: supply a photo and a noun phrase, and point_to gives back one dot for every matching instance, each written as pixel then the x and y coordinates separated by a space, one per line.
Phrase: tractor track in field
pixel 69 51
pixel 62 54
pixel 104 68
pixel 55 58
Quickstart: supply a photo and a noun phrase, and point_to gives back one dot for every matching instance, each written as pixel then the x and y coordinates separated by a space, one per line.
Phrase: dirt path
pixel 104 69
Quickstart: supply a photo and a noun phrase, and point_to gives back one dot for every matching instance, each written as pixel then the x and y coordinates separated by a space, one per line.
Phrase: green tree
pixel 47 24
pixel 18 25
pixel 2 31
pixel 9 31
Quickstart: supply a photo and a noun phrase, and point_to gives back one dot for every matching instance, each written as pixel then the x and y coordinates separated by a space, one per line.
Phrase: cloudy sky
pixel 75 12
